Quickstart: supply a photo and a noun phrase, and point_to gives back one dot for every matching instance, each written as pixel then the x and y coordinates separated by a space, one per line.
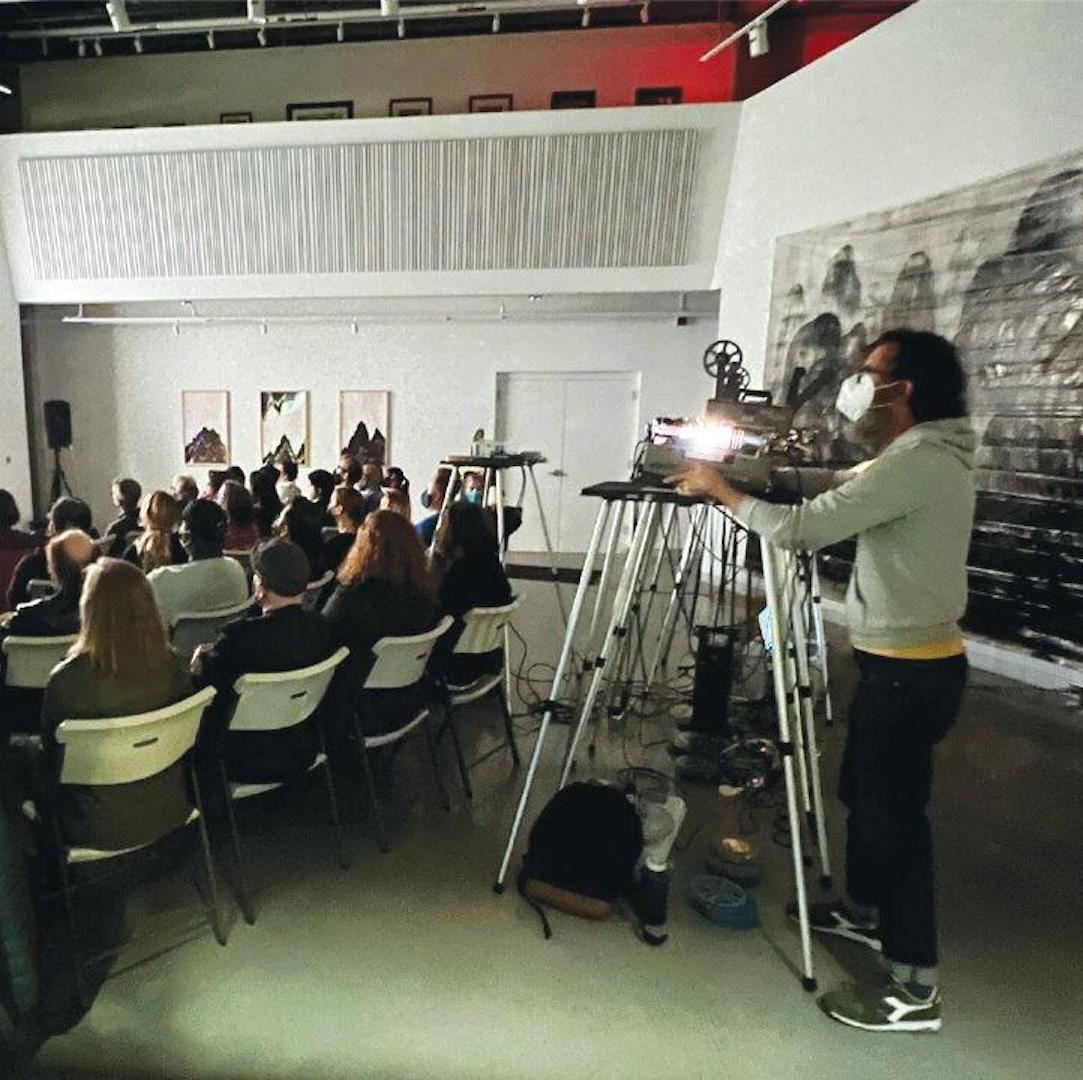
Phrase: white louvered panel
pixel 614 199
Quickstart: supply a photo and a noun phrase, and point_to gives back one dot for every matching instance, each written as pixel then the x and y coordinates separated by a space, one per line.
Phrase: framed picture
pixel 363 419
pixel 320 110
pixel 410 106
pixel 205 427
pixel 572 99
pixel 283 426
pixel 658 95
pixel 235 118
pixel 490 103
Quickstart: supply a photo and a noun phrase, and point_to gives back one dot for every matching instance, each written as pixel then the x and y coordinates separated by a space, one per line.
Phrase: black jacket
pixel 281 640
pixel 50 616
pixel 118 531
pixel 32 567
pixel 470 582
pixel 335 549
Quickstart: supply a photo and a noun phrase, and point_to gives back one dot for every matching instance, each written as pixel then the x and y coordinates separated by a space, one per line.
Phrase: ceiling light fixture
pixel 210 39
pixel 402 28
pixel 496 23
pixel 80 47
pixel 137 41
pixel 758 43
pixel 340 32
pixel 584 22
pixel 389 8
pixel 748 30
pixel 44 46
pixel 261 36
pixel 97 46
pixel 645 13
pixel 257 11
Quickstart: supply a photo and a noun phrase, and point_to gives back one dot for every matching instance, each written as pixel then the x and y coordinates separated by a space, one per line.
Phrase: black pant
pixel 902 708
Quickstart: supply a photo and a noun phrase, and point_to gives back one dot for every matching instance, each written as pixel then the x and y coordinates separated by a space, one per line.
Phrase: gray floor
pixel 407 965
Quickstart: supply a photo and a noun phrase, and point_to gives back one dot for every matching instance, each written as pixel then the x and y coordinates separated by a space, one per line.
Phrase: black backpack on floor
pixel 582 852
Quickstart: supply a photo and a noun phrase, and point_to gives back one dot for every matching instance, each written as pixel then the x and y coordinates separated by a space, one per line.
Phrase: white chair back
pixel 314 589
pixel 274 701
pixel 483 629
pixel 401 661
pixel 193 628
pixel 39 588
pixel 124 749
pixel 31 659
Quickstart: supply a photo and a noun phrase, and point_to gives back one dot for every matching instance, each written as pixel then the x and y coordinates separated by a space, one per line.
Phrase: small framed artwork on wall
pixel 572 99
pixel 659 95
pixel 491 103
pixel 235 118
pixel 320 110
pixel 205 427
pixel 283 427
pixel 410 106
pixel 363 421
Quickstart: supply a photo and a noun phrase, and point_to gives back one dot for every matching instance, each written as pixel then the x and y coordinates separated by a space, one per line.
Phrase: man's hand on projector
pixel 706 482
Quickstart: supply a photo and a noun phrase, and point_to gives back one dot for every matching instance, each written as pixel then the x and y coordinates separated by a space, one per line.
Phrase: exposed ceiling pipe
pixel 259 17
pixel 725 43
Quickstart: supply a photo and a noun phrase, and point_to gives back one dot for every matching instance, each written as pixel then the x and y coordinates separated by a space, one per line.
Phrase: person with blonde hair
pixel 158 544
pixel 397 501
pixel 120 665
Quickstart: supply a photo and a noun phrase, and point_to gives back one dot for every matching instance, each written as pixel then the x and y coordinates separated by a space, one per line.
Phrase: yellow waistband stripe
pixel 934 650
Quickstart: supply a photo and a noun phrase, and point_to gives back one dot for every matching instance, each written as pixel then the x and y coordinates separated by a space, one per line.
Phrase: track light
pixel 389 8
pixel 261 36
pixel 340 32
pixel 44 47
pixel 496 23
pixel 210 39
pixel 402 28
pixel 584 22
pixel 97 46
pixel 758 44
pixel 645 13
pixel 80 47
pixel 138 43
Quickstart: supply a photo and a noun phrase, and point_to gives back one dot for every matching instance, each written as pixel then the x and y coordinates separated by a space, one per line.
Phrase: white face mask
pixel 856 395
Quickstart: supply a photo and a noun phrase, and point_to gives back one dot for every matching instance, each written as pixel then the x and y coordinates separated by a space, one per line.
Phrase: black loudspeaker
pixel 58 424
pixel 713 679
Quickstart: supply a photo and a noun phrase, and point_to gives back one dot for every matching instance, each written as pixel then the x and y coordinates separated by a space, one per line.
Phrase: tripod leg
pixel 548 544
pixel 558 678
pixel 816 600
pixel 779 645
pixel 633 567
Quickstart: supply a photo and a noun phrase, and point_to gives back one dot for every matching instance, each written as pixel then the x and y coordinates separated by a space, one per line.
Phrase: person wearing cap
pixel 208 581
pixel 282 637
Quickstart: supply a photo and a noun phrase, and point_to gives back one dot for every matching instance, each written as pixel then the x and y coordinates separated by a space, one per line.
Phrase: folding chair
pixel 31 659
pixel 39 588
pixel 401 663
pixel 314 591
pixel 276 702
pixel 190 629
pixel 120 751
pixel 483 632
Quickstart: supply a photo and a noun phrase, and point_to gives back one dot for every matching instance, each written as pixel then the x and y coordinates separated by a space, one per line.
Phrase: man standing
pixel 911 509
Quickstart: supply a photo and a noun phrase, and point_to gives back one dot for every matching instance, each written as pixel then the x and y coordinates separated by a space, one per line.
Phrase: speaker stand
pixel 60 485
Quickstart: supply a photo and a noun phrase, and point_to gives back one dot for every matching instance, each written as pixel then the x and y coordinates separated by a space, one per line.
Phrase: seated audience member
pixel 235 472
pixel 126 496
pixel 471 576
pixel 384 588
pixel 370 486
pixel 215 479
pixel 263 483
pixel 348 511
pixel 121 665
pixel 184 489
pixel 349 469
pixel 395 479
pixel 287 484
pixel 208 581
pixel 242 533
pixel 472 489
pixel 66 513
pixel 432 499
pixel 397 501
pixel 14 543
pixel 282 637
pixel 321 488
pixel 158 544
pixel 300 522
pixel 67 555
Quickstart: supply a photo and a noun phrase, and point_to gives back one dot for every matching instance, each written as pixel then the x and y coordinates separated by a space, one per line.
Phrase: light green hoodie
pixel 911 509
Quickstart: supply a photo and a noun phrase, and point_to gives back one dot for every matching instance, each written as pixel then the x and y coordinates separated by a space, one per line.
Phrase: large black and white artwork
pixel 997 267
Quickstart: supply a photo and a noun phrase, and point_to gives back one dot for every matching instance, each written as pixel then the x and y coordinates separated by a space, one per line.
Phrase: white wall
pixel 125 383
pixel 14 450
pixel 196 87
pixel 941 95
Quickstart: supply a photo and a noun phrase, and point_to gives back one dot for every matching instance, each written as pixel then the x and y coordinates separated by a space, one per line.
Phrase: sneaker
pixel 834 919
pixel 893 1007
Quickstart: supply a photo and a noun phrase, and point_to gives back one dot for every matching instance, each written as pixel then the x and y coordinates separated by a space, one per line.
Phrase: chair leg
pixel 73 928
pixel 208 863
pixel 464 772
pixel 374 800
pixel 431 740
pixel 508 727
pixel 244 897
pixel 332 798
